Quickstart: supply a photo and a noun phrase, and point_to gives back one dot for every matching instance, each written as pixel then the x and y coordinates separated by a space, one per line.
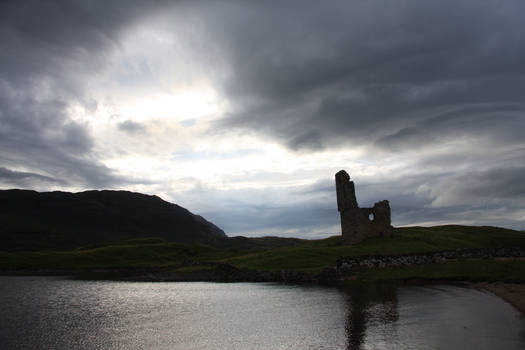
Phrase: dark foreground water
pixel 52 313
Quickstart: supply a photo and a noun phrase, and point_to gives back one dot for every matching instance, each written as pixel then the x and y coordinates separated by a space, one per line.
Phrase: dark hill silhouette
pixel 31 220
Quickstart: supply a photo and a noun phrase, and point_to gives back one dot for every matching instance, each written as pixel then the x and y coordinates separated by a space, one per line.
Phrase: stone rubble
pixel 355 264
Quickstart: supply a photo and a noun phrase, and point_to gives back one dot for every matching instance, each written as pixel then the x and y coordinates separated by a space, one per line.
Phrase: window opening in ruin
pixel 371 216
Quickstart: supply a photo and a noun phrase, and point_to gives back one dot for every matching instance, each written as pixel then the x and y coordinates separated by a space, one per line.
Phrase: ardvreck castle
pixel 359 223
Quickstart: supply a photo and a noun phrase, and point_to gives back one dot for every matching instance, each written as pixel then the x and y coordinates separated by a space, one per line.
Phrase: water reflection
pixel 430 317
pixel 44 313
pixel 370 306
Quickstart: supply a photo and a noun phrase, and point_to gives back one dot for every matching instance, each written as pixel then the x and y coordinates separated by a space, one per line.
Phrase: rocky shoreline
pixel 215 273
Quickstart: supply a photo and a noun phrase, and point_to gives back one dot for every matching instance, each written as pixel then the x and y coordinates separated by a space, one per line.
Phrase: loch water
pixel 57 313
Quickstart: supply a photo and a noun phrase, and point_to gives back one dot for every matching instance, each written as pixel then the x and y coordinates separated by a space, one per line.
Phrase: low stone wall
pixel 355 264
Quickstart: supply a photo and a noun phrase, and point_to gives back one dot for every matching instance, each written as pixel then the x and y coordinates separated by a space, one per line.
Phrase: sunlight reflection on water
pixel 52 313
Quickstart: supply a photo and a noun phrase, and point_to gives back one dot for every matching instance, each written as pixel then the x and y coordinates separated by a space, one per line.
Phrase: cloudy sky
pixel 243 111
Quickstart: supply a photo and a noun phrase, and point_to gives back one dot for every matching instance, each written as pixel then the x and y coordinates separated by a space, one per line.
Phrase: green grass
pixel 318 254
pixel 113 256
pixel 307 255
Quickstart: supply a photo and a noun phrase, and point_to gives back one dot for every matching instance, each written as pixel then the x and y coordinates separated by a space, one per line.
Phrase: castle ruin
pixel 359 223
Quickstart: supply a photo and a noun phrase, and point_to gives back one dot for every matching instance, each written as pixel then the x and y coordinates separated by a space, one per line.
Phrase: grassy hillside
pixel 318 254
pixel 307 255
pixel 136 253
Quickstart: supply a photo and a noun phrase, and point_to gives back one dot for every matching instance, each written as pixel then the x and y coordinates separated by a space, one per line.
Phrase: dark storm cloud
pixel 317 76
pixel 49 50
pixel 441 84
pixel 494 185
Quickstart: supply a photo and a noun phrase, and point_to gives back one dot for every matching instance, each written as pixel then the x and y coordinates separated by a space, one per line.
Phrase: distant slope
pixel 30 220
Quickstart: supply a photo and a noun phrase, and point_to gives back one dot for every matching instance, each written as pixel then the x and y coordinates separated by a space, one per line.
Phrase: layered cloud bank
pixel 244 111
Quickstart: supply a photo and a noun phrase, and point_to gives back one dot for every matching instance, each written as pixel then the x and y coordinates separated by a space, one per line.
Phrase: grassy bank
pixel 315 255
pixel 305 256
pixel 147 253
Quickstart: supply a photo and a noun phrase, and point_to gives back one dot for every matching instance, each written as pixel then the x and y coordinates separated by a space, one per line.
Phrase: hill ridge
pixel 63 220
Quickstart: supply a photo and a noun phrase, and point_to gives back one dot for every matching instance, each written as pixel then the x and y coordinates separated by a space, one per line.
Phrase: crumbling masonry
pixel 359 223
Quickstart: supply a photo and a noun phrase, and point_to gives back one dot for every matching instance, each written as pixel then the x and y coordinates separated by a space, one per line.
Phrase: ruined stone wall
pixel 353 264
pixel 359 223
pixel 347 206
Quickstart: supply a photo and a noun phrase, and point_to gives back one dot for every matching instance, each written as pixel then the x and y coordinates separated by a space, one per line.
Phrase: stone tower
pixel 359 223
